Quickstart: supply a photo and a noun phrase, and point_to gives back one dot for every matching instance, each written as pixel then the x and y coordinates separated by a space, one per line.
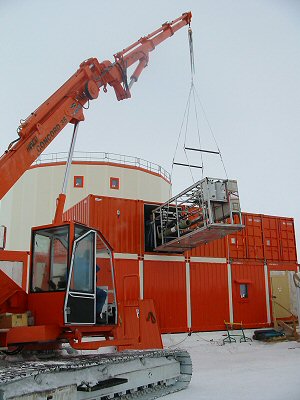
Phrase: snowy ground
pixel 239 371
pixel 236 371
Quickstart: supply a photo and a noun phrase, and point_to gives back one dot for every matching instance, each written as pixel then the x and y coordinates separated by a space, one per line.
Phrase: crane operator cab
pixel 72 276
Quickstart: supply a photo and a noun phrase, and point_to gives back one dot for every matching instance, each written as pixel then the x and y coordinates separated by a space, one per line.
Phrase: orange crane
pixel 66 105
pixel 64 276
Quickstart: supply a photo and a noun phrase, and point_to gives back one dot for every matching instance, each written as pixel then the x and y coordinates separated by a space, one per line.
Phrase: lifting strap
pixel 192 60
pixel 194 98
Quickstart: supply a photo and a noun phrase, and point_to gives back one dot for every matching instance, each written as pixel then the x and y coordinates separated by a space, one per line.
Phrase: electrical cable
pixel 176 344
pixel 212 341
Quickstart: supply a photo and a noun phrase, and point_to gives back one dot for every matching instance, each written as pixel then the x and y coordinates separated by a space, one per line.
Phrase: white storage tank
pixel 32 200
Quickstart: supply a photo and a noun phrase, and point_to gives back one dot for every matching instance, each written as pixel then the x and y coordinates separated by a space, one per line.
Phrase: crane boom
pixel 67 103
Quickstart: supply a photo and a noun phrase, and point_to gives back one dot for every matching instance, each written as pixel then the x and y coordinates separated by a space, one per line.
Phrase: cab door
pixel 80 302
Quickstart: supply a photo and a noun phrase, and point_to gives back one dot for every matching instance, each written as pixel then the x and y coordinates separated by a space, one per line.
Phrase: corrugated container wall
pixel 216 249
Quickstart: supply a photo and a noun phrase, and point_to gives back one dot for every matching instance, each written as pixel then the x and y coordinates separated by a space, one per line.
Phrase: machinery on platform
pixel 60 306
pixel 206 211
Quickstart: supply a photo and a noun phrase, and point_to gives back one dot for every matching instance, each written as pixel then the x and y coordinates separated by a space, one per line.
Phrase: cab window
pixel 82 278
pixel 50 249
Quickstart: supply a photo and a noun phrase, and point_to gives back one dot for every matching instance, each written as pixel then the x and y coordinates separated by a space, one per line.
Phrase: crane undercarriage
pixel 127 375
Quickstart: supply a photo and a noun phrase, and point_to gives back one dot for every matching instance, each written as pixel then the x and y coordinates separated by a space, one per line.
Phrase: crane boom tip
pixel 188 16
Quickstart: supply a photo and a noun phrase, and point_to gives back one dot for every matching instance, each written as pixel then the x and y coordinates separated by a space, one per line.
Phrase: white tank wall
pixel 31 201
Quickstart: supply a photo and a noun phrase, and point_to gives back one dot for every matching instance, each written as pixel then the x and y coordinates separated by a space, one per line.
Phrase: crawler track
pixel 127 375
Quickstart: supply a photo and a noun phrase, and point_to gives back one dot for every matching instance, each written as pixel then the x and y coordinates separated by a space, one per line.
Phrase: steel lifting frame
pixel 206 211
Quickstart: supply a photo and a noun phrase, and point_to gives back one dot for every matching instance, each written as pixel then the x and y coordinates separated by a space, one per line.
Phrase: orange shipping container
pixel 119 220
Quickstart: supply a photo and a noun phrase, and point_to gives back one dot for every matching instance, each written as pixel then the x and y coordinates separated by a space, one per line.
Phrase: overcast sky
pixel 247 62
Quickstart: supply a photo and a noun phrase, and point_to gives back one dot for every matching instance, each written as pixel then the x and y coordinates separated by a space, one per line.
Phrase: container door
pixel 280 294
pixel 209 296
pixel 81 298
pixel 249 294
pixel 165 283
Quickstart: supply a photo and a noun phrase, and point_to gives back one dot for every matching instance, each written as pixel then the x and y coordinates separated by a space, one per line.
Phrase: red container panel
pixel 127 279
pixel 250 310
pixel 165 283
pixel 216 249
pixel 287 239
pixel 209 296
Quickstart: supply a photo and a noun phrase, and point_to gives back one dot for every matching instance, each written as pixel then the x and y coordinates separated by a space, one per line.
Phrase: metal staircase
pixel 288 325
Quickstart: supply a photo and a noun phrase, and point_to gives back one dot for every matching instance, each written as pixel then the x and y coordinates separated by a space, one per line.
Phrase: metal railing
pixel 104 157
